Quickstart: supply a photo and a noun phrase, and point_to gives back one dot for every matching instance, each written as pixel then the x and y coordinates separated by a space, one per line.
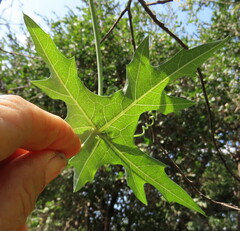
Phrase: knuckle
pixel 13 110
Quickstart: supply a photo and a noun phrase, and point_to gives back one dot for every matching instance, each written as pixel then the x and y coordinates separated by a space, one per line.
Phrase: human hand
pixel 34 145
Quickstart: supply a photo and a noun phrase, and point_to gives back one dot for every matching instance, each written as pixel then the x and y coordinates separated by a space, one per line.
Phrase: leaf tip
pixel 29 22
pixel 144 43
pixel 26 18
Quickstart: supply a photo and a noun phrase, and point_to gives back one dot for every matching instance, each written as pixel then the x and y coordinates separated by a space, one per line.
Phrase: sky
pixel 11 11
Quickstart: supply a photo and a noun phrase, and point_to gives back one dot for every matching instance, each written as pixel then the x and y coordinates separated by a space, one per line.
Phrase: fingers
pixel 22 187
pixel 24 125
pixel 24 174
pixel 14 155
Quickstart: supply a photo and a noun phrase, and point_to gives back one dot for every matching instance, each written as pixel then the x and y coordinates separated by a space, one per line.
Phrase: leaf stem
pixel 97 46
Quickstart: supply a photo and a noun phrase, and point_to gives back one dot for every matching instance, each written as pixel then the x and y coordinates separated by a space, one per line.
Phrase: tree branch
pixel 190 183
pixel 16 53
pixel 211 126
pixel 114 24
pixel 160 24
pixel 20 87
pixel 127 9
pixel 158 2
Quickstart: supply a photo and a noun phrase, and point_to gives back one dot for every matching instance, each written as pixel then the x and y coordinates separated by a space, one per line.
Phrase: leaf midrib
pixel 59 78
pixel 152 89
pixel 141 173
pixel 86 162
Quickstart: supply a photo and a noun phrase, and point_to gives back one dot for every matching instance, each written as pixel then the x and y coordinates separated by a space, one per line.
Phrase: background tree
pixel 183 139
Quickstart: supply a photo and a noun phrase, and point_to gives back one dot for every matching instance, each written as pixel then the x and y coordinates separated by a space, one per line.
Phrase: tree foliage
pixel 109 204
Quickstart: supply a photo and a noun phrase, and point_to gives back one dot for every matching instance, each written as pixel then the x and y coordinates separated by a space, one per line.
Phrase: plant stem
pixel 97 46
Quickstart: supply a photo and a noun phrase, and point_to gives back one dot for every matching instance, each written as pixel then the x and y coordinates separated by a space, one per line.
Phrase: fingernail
pixel 55 166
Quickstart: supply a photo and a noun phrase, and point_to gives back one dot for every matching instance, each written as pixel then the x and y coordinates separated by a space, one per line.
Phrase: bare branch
pixel 160 24
pixel 127 9
pixel 8 91
pixel 158 2
pixel 211 126
pixel 114 25
pixel 190 183
pixel 20 87
pixel 16 53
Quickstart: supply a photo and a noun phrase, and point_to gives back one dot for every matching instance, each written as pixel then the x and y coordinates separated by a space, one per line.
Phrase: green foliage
pixel 107 124
pixel 108 203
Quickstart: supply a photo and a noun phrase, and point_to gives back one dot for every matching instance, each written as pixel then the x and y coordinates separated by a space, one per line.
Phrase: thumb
pixel 21 181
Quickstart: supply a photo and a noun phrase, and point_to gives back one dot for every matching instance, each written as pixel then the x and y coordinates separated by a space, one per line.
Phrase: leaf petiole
pixel 97 46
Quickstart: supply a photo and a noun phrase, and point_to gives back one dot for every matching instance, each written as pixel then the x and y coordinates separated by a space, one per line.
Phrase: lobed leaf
pixel 106 124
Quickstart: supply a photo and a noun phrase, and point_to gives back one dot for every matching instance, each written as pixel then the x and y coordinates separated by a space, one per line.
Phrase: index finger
pixel 24 125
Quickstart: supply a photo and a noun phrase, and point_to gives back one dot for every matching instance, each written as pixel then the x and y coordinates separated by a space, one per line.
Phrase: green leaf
pixel 106 124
